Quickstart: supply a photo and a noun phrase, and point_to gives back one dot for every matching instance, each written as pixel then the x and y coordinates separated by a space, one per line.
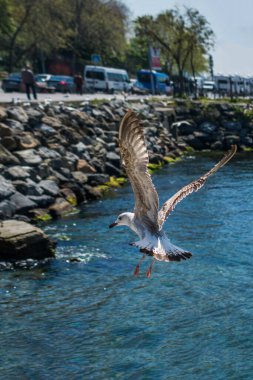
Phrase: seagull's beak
pixel 113 224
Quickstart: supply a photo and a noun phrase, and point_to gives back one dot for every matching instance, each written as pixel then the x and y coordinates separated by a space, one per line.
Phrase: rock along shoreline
pixel 53 157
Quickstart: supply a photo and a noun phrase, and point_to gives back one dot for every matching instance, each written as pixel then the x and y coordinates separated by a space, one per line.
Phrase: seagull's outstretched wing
pixel 194 186
pixel 134 156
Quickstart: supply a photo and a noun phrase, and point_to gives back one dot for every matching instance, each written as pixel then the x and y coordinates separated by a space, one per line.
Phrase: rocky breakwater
pixel 54 157
pixel 214 125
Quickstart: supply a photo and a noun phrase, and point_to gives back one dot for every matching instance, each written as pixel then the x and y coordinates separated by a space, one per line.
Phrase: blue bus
pixel 162 84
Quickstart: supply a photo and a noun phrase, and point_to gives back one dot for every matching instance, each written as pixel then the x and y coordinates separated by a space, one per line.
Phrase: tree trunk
pixel 10 60
pixel 194 76
pixel 181 82
pixel 77 15
pixel 15 35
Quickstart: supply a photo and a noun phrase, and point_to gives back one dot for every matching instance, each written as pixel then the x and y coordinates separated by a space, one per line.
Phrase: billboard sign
pixel 155 58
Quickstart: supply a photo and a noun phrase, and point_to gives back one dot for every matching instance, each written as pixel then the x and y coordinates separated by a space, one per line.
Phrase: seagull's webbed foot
pixel 137 268
pixel 149 271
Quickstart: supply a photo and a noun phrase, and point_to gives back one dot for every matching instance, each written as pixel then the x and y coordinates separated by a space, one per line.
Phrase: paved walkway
pixel 18 97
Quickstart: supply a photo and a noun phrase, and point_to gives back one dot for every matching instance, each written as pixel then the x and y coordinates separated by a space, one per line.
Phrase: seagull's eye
pixel 119 218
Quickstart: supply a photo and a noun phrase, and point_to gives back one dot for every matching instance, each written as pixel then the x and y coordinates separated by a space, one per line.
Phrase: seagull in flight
pixel 147 220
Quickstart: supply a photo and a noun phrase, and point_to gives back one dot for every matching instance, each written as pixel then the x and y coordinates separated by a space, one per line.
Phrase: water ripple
pixel 83 315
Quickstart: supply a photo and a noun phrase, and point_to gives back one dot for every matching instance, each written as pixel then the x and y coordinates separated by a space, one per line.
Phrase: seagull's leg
pixel 137 268
pixel 149 271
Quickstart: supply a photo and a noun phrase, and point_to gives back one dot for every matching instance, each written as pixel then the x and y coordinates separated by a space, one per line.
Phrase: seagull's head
pixel 124 219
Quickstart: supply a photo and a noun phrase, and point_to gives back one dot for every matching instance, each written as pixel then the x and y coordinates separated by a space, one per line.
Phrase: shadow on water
pixel 84 316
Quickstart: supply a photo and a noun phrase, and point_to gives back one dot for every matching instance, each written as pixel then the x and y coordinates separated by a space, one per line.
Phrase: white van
pixel 99 78
pixel 208 86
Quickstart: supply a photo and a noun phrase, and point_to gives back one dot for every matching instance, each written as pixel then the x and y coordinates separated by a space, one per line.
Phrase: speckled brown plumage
pixel 147 221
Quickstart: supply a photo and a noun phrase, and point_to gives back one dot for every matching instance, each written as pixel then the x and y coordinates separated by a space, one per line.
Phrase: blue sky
pixel 231 20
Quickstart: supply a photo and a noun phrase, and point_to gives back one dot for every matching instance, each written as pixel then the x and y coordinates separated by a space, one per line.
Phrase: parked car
pixel 12 82
pixel 138 88
pixel 42 83
pixel 61 83
pixel 42 77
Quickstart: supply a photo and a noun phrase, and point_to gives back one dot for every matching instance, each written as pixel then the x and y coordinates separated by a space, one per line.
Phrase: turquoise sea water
pixel 92 319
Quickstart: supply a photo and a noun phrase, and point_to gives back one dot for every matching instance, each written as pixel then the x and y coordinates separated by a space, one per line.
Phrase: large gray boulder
pixel 7 209
pixel 49 187
pixel 194 142
pixel 230 140
pixel 22 203
pixel 80 177
pixel 6 188
pixel 97 179
pixel 233 125
pixel 42 200
pixel 29 157
pixel 113 170
pixel 34 116
pixel 113 158
pixel 6 157
pixel 45 152
pixel 184 127
pixel 18 113
pixel 3 113
pixel 47 130
pixel 208 127
pixel 5 130
pixel 26 140
pixel 17 172
pixel 20 240
pixel 51 121
pixel 27 187
pixel 15 125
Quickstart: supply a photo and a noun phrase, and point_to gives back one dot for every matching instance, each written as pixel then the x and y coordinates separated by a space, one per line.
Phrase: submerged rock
pixel 20 240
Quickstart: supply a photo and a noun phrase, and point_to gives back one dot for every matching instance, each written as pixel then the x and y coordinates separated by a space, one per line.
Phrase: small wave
pixel 82 254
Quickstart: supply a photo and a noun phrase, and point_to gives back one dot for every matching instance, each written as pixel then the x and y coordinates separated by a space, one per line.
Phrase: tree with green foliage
pixel 97 27
pixel 184 39
pixel 36 30
pixel 137 54
pixel 33 30
pixel 34 26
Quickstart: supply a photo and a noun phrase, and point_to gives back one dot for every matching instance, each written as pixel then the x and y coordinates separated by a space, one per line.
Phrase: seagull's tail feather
pixel 162 249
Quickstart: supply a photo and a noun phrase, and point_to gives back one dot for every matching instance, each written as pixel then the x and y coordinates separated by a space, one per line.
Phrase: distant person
pixel 78 80
pixel 29 81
